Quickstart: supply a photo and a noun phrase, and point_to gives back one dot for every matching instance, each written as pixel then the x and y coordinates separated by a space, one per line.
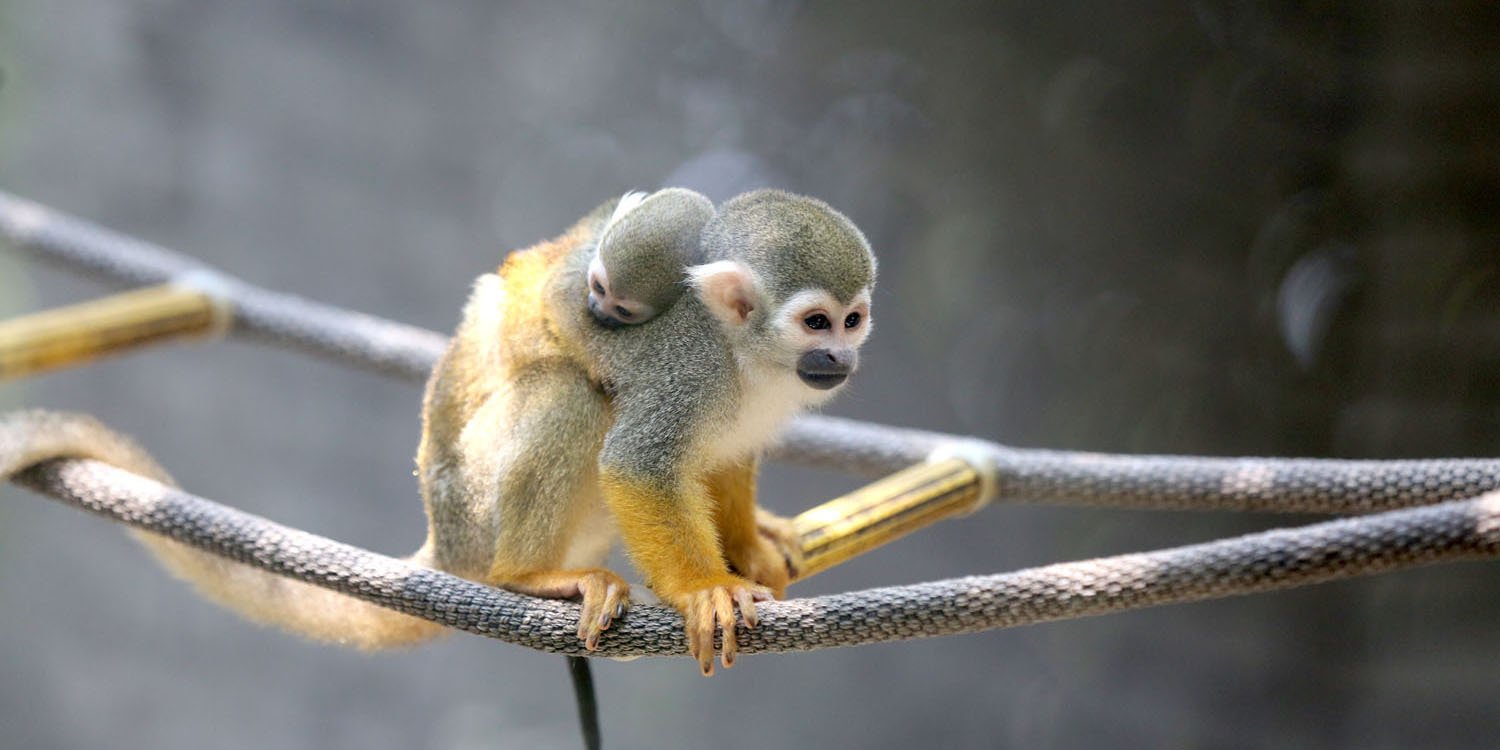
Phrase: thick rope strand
pixel 1266 561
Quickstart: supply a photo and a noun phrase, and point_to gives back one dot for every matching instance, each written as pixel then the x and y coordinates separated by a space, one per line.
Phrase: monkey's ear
pixel 729 289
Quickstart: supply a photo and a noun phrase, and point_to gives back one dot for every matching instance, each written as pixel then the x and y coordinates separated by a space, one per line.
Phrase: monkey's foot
pixel 773 558
pixel 711 604
pixel 606 596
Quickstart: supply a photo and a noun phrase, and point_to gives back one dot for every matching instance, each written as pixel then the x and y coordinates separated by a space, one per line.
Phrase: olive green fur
pixel 646 250
pixel 793 243
pixel 669 377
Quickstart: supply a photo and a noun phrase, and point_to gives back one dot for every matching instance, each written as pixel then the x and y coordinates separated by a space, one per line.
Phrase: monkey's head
pixel 644 250
pixel 790 278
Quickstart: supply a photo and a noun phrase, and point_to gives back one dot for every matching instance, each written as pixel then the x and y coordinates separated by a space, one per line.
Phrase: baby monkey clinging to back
pixel 644 251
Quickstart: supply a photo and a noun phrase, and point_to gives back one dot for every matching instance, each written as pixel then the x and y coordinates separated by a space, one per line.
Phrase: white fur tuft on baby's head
pixel 628 202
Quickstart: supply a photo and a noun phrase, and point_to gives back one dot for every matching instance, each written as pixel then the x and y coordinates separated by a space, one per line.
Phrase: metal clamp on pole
pixel 955 480
pixel 192 307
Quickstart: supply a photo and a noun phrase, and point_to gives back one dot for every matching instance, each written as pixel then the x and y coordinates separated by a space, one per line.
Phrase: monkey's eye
pixel 852 320
pixel 598 287
pixel 623 313
pixel 817 322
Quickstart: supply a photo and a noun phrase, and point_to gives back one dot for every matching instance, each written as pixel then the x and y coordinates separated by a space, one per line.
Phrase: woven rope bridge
pixel 1406 513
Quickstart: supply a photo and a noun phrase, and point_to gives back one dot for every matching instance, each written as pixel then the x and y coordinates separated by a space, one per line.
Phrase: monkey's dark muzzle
pixel 824 369
pixel 603 318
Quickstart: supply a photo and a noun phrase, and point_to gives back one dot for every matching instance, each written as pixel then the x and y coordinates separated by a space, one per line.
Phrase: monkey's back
pixel 505 329
pixel 531 317
pixel 541 294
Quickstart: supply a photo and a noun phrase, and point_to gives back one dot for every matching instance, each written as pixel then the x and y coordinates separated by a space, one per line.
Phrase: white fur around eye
pixel 790 321
pixel 802 304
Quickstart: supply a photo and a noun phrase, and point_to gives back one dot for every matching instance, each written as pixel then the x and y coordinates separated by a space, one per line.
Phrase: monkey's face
pixel 609 309
pixel 811 332
pixel 823 334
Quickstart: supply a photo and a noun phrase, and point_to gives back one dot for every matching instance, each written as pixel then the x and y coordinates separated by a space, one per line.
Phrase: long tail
pixel 31 437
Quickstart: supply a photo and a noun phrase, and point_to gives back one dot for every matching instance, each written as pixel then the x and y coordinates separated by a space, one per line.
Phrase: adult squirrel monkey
pixel 546 431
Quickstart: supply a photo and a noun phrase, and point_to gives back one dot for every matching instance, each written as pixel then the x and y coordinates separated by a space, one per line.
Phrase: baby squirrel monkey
pixel 643 253
pixel 546 432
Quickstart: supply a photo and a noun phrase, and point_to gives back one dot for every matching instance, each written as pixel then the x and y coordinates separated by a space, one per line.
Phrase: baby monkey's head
pixel 644 249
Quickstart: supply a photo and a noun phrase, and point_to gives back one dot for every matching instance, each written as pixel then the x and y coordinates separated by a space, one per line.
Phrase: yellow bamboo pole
pixel 886 510
pixel 82 333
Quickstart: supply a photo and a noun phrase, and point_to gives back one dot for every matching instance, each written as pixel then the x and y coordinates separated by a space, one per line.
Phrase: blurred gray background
pixel 1218 227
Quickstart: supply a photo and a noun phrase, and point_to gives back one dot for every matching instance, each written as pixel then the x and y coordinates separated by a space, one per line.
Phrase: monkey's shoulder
pixel 544 296
pixel 684 346
pixel 529 272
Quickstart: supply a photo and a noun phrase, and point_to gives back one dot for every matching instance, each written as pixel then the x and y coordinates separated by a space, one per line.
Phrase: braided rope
pixel 1266 561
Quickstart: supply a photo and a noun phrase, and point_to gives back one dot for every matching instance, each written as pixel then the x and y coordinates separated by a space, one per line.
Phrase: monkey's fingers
pixel 589 626
pixel 745 599
pixel 710 606
pixel 742 597
pixel 700 631
pixel 616 604
pixel 605 597
pixel 723 603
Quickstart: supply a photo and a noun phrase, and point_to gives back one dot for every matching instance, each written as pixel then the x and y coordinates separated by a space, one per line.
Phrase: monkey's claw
pixel 606 597
pixel 711 607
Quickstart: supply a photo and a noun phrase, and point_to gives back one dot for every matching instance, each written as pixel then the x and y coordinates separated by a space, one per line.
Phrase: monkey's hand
pixel 606 596
pixel 771 557
pixel 710 604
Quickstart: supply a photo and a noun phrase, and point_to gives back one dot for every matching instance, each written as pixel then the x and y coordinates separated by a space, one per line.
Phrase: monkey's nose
pixel 824 369
pixel 601 317
pixel 605 319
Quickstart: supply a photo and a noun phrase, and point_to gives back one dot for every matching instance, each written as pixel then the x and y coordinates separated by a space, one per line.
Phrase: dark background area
pixel 1174 227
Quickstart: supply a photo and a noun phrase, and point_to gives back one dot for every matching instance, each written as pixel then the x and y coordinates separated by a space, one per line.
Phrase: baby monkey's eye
pixel 817 322
pixel 623 313
pixel 852 320
pixel 598 287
